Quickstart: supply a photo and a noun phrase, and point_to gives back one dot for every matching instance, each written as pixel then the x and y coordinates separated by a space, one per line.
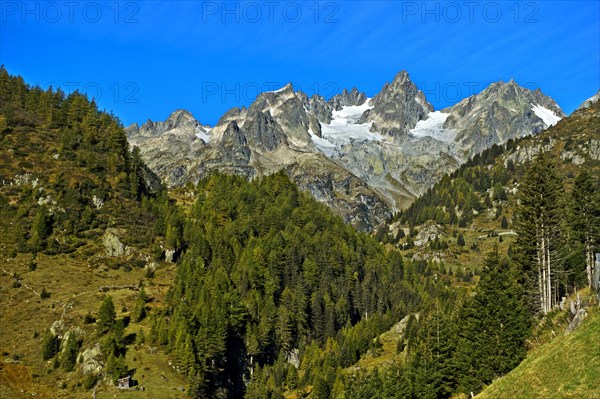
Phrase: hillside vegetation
pixel 235 288
pixel 566 367
pixel 82 217
pixel 469 211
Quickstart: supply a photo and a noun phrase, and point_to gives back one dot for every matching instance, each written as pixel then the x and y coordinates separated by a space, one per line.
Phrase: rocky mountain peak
pixel 345 98
pixel 398 107
pixel 286 91
pixel 273 100
pixel 511 92
pixel 180 124
pixel 502 111
pixel 181 118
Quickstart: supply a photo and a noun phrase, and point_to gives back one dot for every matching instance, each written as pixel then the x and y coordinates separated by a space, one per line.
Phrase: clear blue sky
pixel 144 59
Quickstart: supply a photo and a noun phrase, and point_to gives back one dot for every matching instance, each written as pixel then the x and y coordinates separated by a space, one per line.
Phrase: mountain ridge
pixel 394 143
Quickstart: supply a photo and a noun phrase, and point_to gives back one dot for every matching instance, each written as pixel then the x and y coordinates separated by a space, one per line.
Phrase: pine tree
pixel 539 219
pixel 116 367
pixel 106 315
pixel 139 311
pixel 50 345
pixel 460 241
pixel 41 229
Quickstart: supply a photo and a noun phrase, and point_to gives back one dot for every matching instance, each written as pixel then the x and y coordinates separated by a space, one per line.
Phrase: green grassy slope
pixel 566 367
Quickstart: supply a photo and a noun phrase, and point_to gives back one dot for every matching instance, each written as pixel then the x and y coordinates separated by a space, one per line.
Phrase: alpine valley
pixel 301 248
pixel 366 158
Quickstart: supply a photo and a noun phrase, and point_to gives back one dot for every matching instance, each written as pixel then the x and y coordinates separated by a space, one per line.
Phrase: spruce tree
pixel 585 219
pixel 494 324
pixel 50 345
pixel 106 315
pixel 41 229
pixel 139 310
pixel 115 367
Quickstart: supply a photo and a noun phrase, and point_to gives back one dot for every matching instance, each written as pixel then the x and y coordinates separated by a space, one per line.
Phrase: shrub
pixel 90 381
pixel 44 294
pixel 89 319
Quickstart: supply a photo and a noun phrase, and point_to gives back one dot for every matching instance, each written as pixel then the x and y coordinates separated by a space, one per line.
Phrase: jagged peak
pixel 181 115
pixel 288 87
pixel 347 98
pixel 179 112
pixel 401 77
pixel 512 83
pixel 317 97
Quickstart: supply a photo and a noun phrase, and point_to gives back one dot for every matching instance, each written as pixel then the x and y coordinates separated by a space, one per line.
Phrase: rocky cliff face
pixel 363 157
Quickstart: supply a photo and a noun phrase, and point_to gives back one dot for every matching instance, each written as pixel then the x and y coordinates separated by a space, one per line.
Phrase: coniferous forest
pixel 272 294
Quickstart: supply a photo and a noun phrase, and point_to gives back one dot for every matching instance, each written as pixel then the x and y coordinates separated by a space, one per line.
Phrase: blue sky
pixel 145 59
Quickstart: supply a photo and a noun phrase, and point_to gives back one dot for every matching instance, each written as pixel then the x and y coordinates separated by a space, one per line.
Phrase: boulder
pixel 169 254
pixel 579 317
pixel 89 360
pixel 112 244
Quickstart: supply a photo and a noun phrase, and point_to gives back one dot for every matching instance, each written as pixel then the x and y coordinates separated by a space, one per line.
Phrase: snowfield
pixel 344 128
pixel 549 117
pixel 433 127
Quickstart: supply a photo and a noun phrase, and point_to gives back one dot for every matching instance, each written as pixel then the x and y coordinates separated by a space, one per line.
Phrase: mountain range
pixel 364 157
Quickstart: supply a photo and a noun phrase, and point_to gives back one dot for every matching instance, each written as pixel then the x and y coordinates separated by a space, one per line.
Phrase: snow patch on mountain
pixel 278 90
pixel 344 128
pixel 324 145
pixel 204 134
pixel 433 127
pixel 549 117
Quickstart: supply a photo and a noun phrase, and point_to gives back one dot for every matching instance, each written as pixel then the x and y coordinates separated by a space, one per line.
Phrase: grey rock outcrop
pixel 263 132
pixel 577 320
pixel 169 254
pixel 427 233
pixel 112 244
pixel 90 360
pixel 590 101
pixel 332 185
pixel 321 109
